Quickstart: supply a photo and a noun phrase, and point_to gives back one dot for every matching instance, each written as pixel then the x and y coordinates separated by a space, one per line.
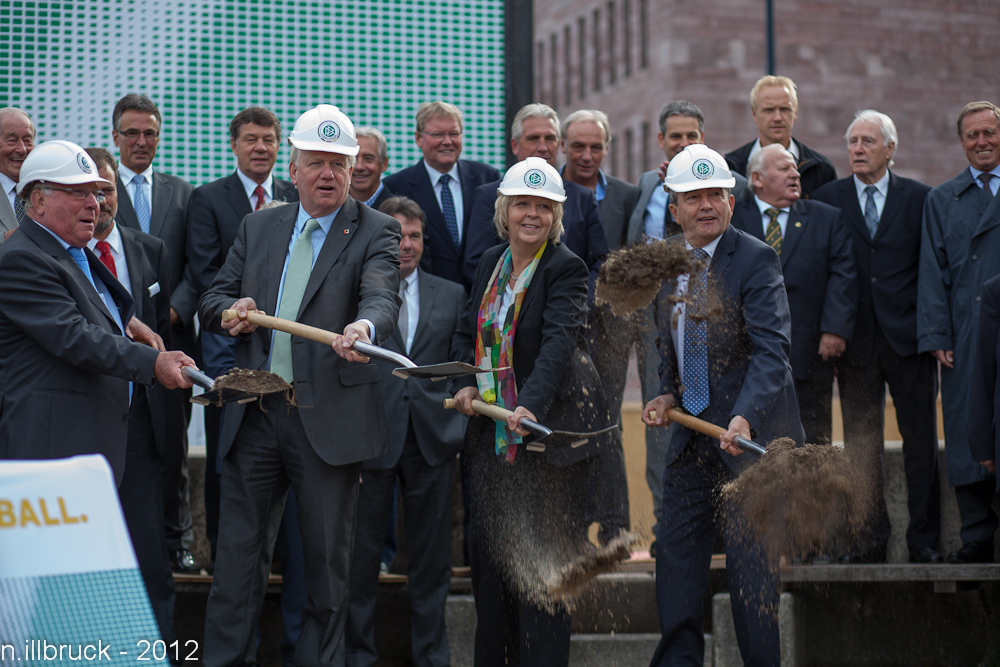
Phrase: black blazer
pixel 818 269
pixel 984 395
pixel 582 229
pixel 214 215
pixel 616 210
pixel 386 193
pixel 441 257
pixel 552 368
pixel 438 432
pixel 887 265
pixel 168 221
pixel 149 275
pixel 815 169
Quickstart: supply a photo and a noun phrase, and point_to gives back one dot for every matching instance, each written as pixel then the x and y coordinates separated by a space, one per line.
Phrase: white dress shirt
pixel 411 294
pixel 881 192
pixel 455 186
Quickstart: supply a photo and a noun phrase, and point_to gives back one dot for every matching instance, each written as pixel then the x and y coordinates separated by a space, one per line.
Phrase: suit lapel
pixel 991 217
pixel 848 201
pixel 237 196
pixel 423 194
pixel 427 295
pixel 8 219
pixel 890 211
pixel 723 254
pixel 163 192
pixel 751 214
pixel 798 218
pixel 126 212
pixel 281 233
pixel 133 258
pixel 469 185
pixel 284 190
pixel 126 305
pixel 341 232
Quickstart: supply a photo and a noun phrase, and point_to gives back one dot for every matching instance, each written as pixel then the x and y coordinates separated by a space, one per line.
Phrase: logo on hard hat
pixel 534 179
pixel 703 169
pixel 329 131
pixel 84 163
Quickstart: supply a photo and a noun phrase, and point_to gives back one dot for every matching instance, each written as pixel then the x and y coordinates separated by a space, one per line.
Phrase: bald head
pixel 17 138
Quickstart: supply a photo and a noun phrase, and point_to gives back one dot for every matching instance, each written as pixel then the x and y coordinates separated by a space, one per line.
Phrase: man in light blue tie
pixel 66 323
pixel 331 263
pixel 734 372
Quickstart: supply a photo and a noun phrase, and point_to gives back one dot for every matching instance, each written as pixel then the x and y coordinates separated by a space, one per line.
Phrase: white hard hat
pixel 324 128
pixel 533 176
pixel 58 162
pixel 697 167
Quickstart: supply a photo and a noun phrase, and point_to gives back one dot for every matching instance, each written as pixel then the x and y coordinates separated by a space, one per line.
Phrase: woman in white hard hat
pixel 525 316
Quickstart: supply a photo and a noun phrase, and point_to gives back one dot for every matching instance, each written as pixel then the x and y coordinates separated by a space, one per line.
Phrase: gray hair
pixel 885 124
pixel 593 115
pixel 376 134
pixel 533 110
pixel 502 221
pixel 296 153
pixel 756 162
pixel 10 111
pixel 682 108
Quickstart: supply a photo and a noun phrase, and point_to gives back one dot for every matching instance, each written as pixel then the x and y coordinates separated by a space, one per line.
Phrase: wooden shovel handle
pixel 483 408
pixel 288 326
pixel 711 430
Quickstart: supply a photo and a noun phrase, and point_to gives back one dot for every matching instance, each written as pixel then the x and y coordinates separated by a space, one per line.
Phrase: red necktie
pixel 106 258
pixel 259 194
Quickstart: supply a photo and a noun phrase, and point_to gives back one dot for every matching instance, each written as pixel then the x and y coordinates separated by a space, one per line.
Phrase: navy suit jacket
pixel 815 169
pixel 439 433
pixel 441 257
pixel 887 265
pixel 748 347
pixel 984 395
pixel 66 363
pixel 214 215
pixel 820 279
pixel 582 229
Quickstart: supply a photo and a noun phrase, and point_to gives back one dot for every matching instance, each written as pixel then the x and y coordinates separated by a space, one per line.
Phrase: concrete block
pixel 725 650
pixel 614 650
pixel 460 620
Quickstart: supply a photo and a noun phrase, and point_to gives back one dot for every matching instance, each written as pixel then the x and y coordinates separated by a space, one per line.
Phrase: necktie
pixel 871 213
pixel 987 179
pixel 18 209
pixel 404 314
pixel 258 192
pixel 296 277
pixel 448 208
pixel 773 236
pixel 106 258
pixel 141 202
pixel 80 258
pixel 695 396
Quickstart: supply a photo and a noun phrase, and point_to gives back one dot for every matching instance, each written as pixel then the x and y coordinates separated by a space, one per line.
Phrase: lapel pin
pixel 347 231
pixel 798 224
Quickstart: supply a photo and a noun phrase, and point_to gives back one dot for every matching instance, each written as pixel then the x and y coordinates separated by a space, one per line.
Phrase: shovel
pixel 711 430
pixel 540 432
pixel 407 368
pixel 229 391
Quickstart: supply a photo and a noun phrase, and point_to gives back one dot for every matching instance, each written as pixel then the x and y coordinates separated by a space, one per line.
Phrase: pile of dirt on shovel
pixel 257 383
pixel 798 501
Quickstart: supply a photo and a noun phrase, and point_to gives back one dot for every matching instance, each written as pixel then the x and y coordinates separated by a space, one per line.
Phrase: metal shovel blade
pixel 216 395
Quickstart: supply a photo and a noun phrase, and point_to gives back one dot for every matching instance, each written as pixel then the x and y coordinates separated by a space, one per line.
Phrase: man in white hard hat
pixel 333 264
pixel 66 323
pixel 734 371
pixel 17 138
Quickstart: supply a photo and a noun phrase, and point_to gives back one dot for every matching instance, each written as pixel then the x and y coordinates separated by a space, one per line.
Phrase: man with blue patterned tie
pixel 156 203
pixel 734 370
pixel 66 323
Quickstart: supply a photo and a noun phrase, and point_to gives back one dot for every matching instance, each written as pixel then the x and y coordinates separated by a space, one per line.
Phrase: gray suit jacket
pixel 439 432
pixel 616 210
pixel 66 365
pixel 356 276
pixel 648 182
pixel 8 220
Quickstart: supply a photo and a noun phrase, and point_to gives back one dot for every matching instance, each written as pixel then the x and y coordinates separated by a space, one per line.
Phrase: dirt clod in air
pixel 631 277
pixel 573 578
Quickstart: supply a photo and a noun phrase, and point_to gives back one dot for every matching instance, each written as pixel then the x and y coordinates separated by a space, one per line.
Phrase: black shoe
pixel 182 562
pixel 822 559
pixel 973 552
pixel 925 555
pixel 652 550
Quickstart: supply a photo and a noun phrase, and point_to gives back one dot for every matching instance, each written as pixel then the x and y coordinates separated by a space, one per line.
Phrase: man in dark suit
pixel 156 203
pixel 883 212
pixel 214 214
pixel 139 261
pixel 814 246
pixel 584 138
pixel 17 138
pixel 535 133
pixel 733 371
pixel 66 322
pixel 367 185
pixel 330 263
pixel 983 408
pixel 424 440
pixel 443 186
pixel 959 251
pixel 774 105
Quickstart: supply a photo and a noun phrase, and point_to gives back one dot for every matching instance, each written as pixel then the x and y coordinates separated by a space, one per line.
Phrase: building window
pixel 554 65
pixel 567 73
pixel 540 92
pixel 644 151
pixel 612 55
pixel 598 53
pixel 581 43
pixel 629 140
pixel 627 44
pixel 643 34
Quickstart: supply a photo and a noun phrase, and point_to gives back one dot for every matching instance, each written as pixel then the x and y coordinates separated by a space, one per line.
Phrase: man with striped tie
pixel 17 138
pixel 813 242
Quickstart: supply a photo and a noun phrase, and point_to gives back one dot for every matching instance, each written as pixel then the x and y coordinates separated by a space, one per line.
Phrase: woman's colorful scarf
pixel 495 346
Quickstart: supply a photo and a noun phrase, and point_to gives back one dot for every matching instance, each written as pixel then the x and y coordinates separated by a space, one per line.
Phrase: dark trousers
pixel 272 452
pixel 526 517
pixel 816 407
pixel 218 353
pixel 979 521
pixel 425 495
pixel 141 494
pixel 684 539
pixel 913 384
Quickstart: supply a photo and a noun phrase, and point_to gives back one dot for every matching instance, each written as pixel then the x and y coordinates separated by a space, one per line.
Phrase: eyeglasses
pixel 133 135
pixel 438 136
pixel 79 195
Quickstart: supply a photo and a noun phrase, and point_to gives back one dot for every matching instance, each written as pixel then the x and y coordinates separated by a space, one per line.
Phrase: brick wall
pixel 915 60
